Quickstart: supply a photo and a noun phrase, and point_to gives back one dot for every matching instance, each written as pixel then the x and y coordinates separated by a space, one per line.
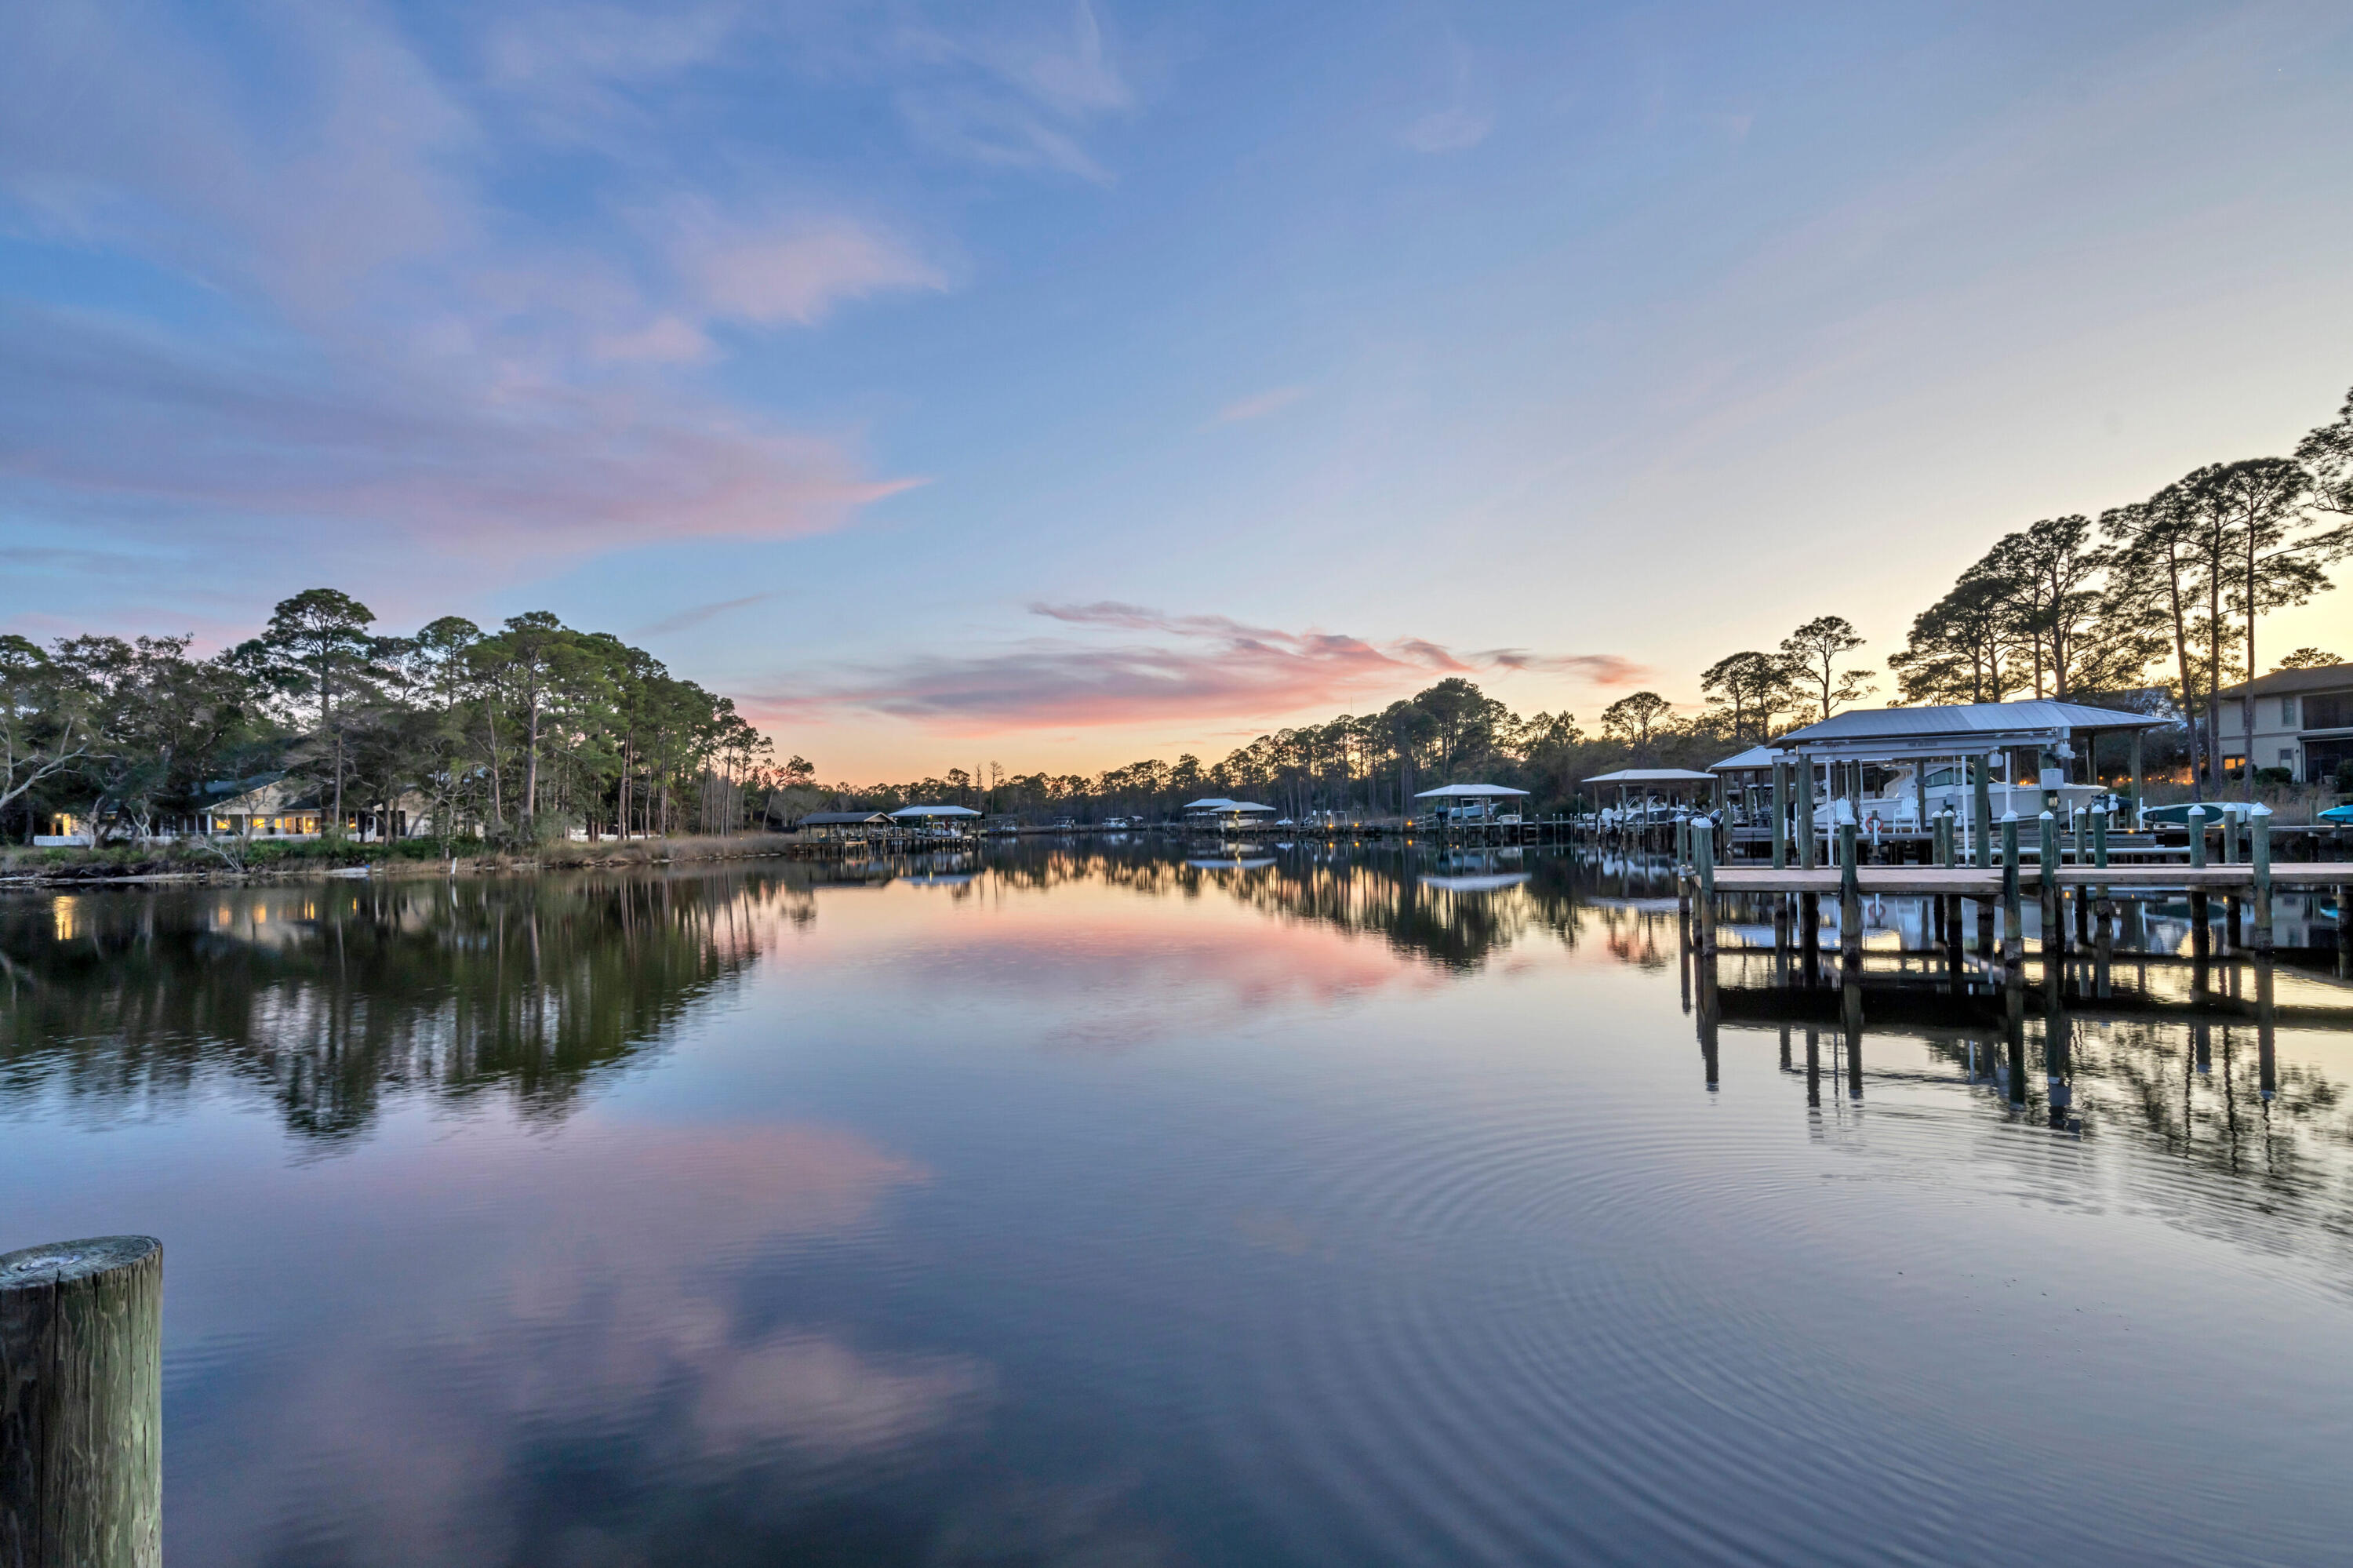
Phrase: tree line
pixel 509 734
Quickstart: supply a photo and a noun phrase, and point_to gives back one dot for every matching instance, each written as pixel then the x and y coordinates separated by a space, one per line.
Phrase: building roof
pixel 1963 727
pixel 1755 758
pixel 1652 776
pixel 935 812
pixel 2284 682
pixel 841 819
pixel 1470 792
pixel 1219 803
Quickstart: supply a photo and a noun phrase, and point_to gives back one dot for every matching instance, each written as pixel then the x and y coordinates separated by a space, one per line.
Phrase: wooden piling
pixel 1704 861
pixel 82 1404
pixel 1981 804
pixel 2013 917
pixel 1850 899
pixel 2054 930
pixel 2197 837
pixel 1780 816
pixel 1805 822
pixel 2259 856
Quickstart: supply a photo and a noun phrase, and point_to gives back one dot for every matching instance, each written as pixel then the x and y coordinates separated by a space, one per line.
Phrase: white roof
pixel 1222 804
pixel 1961 728
pixel 1480 791
pixel 1756 756
pixel 1653 776
pixel 935 812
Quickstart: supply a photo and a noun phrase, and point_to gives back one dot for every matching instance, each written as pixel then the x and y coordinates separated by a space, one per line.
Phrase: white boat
pixel 1895 806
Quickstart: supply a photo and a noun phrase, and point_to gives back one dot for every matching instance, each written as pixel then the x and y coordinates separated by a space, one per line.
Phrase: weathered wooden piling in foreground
pixel 82 1404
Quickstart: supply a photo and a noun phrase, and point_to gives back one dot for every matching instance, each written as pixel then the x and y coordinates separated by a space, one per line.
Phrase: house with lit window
pixel 2304 721
pixel 290 809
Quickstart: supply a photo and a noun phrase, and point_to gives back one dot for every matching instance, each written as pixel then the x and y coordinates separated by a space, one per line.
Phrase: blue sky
pixel 1063 384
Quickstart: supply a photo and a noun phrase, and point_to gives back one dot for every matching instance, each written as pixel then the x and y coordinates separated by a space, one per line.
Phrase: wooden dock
pixel 1976 882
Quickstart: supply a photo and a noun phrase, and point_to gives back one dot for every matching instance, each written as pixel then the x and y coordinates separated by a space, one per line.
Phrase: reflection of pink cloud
pixel 1134 966
pixel 533 1290
pixel 1207 667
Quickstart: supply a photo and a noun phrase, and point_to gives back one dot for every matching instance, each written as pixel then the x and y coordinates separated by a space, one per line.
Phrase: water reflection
pixel 331 998
pixel 768 1213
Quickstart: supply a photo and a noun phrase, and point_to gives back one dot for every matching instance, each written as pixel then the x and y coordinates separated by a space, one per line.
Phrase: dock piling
pixel 1780 816
pixel 1850 899
pixel 2259 856
pixel 2013 917
pixel 1704 861
pixel 82 1404
pixel 2197 838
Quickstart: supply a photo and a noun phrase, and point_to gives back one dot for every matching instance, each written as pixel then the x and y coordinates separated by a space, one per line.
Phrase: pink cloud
pixel 1198 668
pixel 1259 405
pixel 123 421
pixel 797 272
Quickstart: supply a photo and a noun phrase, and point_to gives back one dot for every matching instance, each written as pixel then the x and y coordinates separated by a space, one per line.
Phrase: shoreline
pixel 624 854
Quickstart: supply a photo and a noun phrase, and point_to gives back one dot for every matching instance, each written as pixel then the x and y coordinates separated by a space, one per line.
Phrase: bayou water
pixel 1110 1204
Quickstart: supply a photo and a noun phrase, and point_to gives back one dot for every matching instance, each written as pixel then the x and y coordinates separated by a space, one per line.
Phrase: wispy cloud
pixel 696 615
pixel 1014 96
pixel 1461 125
pixel 1259 405
pixel 413 361
pixel 1195 669
pixel 1447 130
pixel 791 270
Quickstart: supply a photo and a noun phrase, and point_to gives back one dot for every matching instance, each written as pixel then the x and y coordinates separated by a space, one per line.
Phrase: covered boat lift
pixel 936 821
pixel 1217 812
pixel 1975 739
pixel 1474 802
pixel 1675 782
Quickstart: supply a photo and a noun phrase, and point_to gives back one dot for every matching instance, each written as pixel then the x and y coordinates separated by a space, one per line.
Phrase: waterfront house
pixel 284 807
pixel 2304 722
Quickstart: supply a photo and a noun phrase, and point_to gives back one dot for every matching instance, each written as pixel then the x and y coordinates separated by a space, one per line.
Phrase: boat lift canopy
pixel 1468 791
pixel 1653 776
pixel 935 812
pixel 1885 735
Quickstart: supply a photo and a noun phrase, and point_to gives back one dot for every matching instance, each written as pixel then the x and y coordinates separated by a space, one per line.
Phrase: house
pixel 286 809
pixel 2304 721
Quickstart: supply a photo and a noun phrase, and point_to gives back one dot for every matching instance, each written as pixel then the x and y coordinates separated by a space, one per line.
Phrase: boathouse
pixel 843 827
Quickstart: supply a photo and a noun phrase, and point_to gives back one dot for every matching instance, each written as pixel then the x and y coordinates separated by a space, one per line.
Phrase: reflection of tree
pixel 336 999
pixel 1373 889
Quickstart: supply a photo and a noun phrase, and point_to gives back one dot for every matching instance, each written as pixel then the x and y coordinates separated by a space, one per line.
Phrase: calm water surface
pixel 1095 1206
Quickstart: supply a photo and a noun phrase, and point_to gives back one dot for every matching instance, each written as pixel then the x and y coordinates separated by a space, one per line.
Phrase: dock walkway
pixel 1979 882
